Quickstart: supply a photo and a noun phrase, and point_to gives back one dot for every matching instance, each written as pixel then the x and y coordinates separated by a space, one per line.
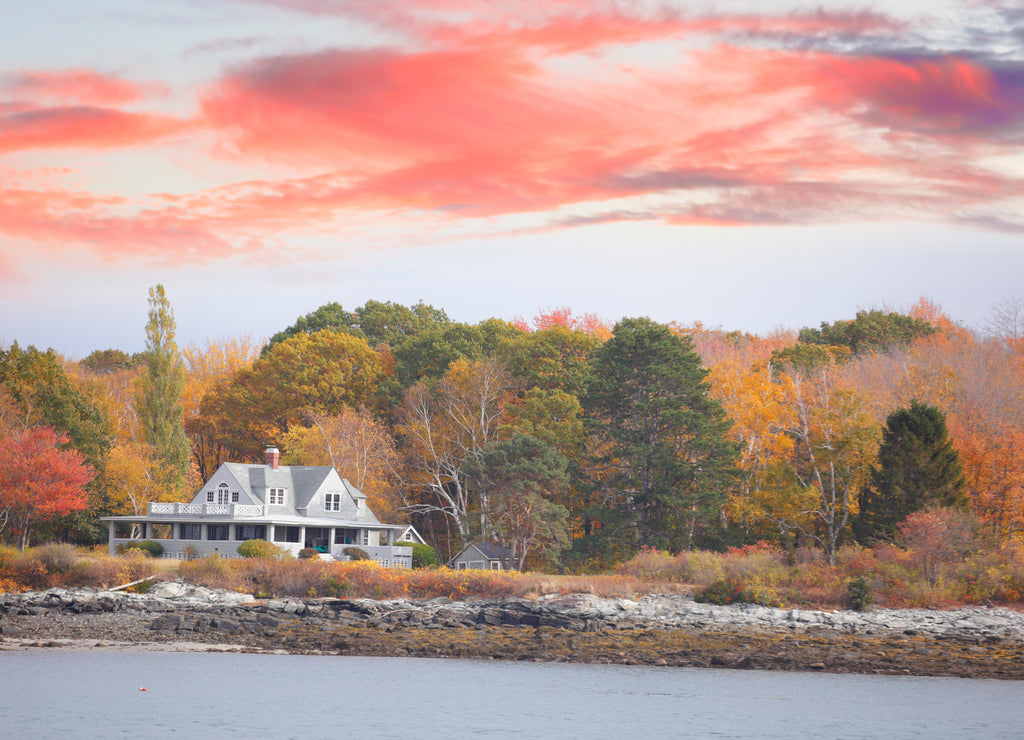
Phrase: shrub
pixel 423 556
pixel 859 592
pixel 722 592
pixel 153 549
pixel 936 537
pixel 261 549
pixel 309 553
pixel 700 568
pixel 92 571
pixel 211 571
pixel 336 588
pixel 58 558
pixel 32 573
pixel 355 553
pixel 132 565
pixel 650 564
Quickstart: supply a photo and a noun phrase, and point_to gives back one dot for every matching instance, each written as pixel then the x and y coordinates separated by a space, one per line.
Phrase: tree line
pixel 572 443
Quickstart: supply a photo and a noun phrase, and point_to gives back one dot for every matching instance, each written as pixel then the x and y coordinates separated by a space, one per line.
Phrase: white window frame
pixel 223 495
pixel 276 497
pixel 332 502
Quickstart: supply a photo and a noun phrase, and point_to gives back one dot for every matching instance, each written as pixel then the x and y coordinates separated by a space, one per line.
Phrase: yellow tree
pixel 754 402
pixel 355 444
pixel 322 372
pixel 205 366
pixel 443 426
pixel 834 444
pixel 807 443
pixel 132 478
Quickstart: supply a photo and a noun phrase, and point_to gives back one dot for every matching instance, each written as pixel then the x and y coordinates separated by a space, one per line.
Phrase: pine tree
pixel 159 397
pixel 669 459
pixel 917 468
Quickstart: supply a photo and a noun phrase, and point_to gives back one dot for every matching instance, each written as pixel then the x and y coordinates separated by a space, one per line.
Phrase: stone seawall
pixel 654 629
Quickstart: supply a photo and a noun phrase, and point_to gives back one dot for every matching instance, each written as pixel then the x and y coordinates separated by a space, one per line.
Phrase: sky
pixel 750 165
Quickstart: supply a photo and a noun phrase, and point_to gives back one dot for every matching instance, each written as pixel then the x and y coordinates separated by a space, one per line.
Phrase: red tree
pixel 39 480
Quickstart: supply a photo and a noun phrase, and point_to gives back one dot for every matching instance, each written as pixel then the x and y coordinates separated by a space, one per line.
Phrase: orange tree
pixel 39 480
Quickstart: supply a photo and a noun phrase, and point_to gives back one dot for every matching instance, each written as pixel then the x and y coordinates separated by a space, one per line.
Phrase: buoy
pixel 142 689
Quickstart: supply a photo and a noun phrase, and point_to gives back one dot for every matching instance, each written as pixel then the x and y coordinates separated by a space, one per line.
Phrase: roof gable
pixel 305 486
pixel 487 550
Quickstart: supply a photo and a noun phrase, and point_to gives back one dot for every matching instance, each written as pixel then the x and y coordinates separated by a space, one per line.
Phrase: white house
pixel 292 506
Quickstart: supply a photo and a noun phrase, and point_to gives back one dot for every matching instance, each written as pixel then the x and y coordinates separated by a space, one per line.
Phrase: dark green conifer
pixel 917 468
pixel 669 463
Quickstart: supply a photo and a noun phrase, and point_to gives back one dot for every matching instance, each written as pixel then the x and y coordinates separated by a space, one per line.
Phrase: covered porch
pixel 200 537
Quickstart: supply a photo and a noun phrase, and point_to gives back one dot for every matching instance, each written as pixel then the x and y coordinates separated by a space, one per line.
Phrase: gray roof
pixel 302 481
pixel 489 550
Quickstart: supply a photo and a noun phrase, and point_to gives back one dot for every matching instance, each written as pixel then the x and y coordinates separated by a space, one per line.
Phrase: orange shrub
pixel 651 565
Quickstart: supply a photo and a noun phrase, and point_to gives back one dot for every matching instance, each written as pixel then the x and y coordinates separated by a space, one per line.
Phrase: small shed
pixel 483 556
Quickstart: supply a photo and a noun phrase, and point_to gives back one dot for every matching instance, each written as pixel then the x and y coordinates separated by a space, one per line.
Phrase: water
pixel 95 694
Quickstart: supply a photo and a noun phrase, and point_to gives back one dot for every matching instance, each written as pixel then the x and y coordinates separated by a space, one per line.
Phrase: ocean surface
pixel 97 693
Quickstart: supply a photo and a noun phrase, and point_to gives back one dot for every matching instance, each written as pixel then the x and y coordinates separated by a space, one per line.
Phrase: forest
pixel 576 444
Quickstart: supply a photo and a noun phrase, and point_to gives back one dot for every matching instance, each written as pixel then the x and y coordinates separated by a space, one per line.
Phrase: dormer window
pixel 275 496
pixel 223 496
pixel 332 502
pixel 360 507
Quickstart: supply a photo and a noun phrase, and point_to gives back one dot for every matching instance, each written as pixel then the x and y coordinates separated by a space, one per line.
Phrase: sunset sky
pixel 749 165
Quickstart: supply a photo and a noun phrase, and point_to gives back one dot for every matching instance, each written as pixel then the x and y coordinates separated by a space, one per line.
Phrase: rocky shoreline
pixel 667 630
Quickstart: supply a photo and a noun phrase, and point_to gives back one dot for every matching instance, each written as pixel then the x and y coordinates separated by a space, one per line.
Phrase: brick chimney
pixel 273 457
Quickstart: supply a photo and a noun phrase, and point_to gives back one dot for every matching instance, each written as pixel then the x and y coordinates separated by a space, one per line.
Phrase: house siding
pixel 306 490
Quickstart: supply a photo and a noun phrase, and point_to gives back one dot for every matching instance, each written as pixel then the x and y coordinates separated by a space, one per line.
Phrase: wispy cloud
pixel 574 112
pixel 76 108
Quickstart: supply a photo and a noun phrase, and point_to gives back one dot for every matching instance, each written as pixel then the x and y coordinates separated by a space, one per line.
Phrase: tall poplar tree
pixel 669 464
pixel 159 398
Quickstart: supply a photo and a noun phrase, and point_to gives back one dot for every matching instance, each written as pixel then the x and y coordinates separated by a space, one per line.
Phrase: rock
pixel 168 590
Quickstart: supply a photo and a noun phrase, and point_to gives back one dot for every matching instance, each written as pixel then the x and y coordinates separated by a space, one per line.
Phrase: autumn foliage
pixel 39 480
pixel 413 407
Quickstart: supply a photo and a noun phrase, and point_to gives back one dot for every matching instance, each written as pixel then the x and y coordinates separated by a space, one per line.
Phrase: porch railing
pixel 235 511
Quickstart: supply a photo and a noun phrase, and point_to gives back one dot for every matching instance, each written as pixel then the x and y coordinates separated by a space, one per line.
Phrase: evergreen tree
pixel 669 464
pixel 917 468
pixel 871 331
pixel 159 397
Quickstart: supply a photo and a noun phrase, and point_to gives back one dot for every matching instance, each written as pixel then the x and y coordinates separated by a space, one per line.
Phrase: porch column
pixel 110 538
pixel 270 533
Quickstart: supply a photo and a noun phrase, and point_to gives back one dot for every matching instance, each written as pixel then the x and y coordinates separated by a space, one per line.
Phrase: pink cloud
pixel 55 219
pixel 87 127
pixel 81 85
pixel 488 115
pixel 75 108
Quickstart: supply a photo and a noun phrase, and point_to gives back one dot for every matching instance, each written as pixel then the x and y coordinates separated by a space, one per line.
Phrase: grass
pixel 887 576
